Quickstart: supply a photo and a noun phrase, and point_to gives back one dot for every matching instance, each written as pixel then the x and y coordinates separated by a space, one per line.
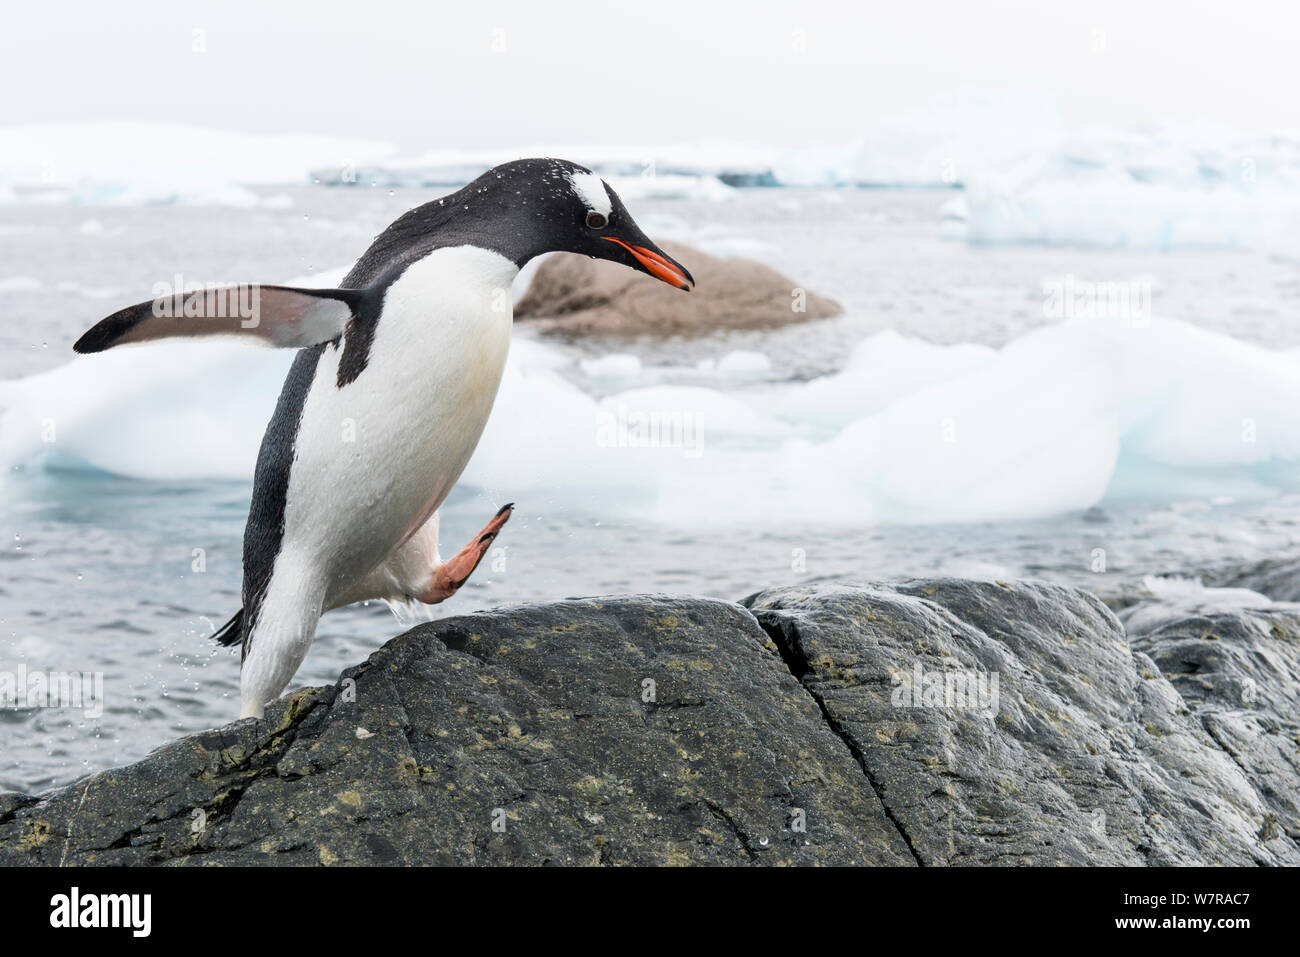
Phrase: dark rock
pixel 575 294
pixel 540 719
pixel 531 717
pixel 1278 578
pixel 1090 757
pixel 1237 668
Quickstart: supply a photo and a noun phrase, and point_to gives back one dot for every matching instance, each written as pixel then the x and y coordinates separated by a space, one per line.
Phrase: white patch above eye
pixel 590 188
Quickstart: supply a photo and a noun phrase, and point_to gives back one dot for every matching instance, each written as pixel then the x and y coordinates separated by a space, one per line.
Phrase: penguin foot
pixel 455 571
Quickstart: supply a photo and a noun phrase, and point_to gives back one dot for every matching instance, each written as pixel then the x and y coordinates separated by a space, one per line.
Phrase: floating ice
pixel 697 170
pixel 951 138
pixel 954 137
pixel 133 163
pixel 1061 419
pixel 616 365
pixel 1155 189
pixel 744 364
pixel 1028 179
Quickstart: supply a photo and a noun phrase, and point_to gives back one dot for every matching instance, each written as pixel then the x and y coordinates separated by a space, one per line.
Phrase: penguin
pixel 383 406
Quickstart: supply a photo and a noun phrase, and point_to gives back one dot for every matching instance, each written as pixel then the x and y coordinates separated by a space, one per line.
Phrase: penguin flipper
pixel 232 632
pixel 280 316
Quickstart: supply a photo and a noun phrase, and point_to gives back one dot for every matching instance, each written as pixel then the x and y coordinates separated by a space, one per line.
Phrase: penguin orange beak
pixel 658 265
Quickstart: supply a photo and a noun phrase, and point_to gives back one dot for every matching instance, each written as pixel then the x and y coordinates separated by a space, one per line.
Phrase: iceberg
pixel 1159 188
pixel 940 145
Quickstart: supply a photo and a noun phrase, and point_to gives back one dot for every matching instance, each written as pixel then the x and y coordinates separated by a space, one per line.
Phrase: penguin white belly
pixel 375 458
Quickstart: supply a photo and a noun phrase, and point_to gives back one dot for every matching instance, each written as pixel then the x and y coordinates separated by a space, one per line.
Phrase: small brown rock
pixel 582 295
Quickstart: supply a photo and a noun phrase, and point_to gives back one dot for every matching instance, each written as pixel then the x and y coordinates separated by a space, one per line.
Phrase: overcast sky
pixel 478 73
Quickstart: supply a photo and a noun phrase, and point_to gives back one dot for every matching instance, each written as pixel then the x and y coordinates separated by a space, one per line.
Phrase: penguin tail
pixel 232 632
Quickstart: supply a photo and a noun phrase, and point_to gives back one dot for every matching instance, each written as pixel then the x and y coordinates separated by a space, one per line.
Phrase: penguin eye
pixel 596 220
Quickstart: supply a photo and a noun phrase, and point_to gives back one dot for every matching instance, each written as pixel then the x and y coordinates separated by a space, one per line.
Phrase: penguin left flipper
pixel 275 315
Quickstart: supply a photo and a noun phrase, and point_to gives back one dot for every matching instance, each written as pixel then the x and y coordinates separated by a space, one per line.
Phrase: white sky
pixel 425 75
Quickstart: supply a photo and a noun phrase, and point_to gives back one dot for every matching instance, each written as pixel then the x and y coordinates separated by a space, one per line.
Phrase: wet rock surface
pixel 1088 756
pixel 814 724
pixel 637 730
pixel 1236 668
pixel 1278 578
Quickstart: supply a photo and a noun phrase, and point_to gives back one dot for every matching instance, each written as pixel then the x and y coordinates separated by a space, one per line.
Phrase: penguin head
pixel 554 205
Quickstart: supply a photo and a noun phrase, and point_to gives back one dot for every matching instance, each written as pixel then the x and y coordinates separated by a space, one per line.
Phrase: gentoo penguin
pixel 387 398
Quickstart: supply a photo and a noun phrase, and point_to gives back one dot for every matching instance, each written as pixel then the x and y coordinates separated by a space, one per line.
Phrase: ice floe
pixel 1067 416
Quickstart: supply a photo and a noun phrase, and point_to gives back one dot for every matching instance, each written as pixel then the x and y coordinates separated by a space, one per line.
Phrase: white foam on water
pixel 1177 598
pixel 1192 593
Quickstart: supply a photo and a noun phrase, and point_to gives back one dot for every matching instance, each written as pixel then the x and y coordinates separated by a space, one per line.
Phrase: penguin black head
pixel 529 207
pixel 582 214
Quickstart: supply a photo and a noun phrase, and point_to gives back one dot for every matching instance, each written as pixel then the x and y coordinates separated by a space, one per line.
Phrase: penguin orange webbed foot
pixel 454 572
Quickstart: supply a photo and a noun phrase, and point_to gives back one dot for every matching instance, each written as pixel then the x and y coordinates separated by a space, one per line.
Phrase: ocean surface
pixel 1094 452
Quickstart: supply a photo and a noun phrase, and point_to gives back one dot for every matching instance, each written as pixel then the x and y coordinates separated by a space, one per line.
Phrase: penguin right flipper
pixel 276 315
